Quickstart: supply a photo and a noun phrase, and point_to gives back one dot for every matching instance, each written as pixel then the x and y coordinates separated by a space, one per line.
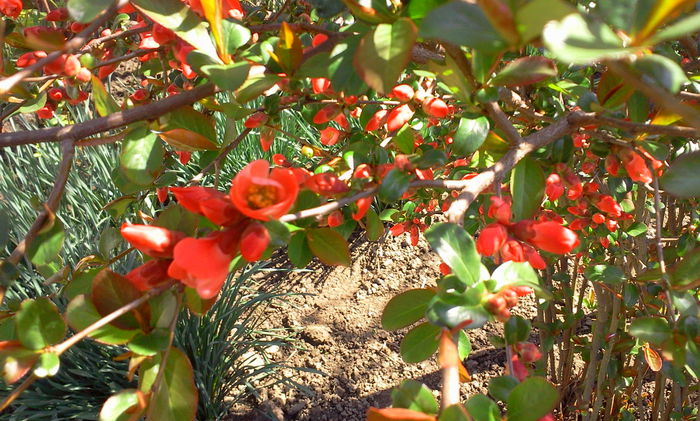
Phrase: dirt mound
pixel 352 362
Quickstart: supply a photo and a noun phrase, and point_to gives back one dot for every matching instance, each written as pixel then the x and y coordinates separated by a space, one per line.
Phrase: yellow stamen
pixel 261 196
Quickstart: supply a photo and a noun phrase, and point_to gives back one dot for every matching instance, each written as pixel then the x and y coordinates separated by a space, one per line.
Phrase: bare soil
pixel 351 363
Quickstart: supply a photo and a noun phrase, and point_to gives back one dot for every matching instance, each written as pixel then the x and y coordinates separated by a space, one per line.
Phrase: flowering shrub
pixel 556 132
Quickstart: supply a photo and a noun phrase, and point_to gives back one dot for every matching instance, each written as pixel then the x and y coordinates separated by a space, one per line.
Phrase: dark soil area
pixel 351 363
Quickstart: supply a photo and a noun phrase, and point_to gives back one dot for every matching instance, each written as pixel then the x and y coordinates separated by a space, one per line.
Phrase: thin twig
pixel 222 155
pixel 18 391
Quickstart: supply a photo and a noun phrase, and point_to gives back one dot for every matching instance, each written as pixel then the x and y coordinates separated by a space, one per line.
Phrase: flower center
pixel 261 196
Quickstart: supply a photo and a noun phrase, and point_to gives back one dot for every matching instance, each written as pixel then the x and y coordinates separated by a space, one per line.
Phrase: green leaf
pixel 481 408
pixel 235 35
pixel 141 159
pixel 189 119
pixel 228 77
pixel 110 238
pixel 605 273
pixel 531 400
pixel 417 10
pixel 406 308
pixel 150 344
pixel 457 249
pixel 577 40
pixel 450 75
pixel 394 185
pixel 179 18
pixel 677 29
pixel 448 23
pixel 500 387
pixel 375 228
pixel 637 229
pixel 118 406
pixel 110 292
pixel 654 330
pixel 404 139
pixel 176 398
pixel 48 365
pixel 527 188
pixel 419 343
pixel 33 104
pixel 39 324
pixel 8 273
pixel 384 52
pixel 298 250
pixel 464 345
pixel 659 70
pixel 253 87
pixel 81 313
pixel 329 246
pixel 448 314
pixel 525 71
pixel 533 16
pixel 516 329
pixel 85 11
pixel 104 103
pixel 4 228
pixel 341 68
pixel 685 272
pixel 518 274
pixel 454 412
pixel 46 246
pixel 681 179
pixel 470 135
pixel 415 396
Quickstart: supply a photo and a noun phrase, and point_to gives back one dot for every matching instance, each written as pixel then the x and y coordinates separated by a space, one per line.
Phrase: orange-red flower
pixel 326 184
pixel 552 237
pixel 491 239
pixel 635 165
pixel 151 240
pixel 607 204
pixel 264 194
pixel 254 240
pixel 211 203
pixel 363 205
pixel 11 8
pixel 149 274
pixel 330 136
pixel 203 263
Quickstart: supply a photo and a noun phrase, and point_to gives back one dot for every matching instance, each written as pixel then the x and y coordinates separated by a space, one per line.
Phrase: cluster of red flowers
pixel 257 194
pixel 11 8
pixel 634 163
pixel 517 241
pixel 499 304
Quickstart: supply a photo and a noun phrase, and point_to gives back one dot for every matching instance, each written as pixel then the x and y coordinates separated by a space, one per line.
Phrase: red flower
pixel 151 240
pixel 435 107
pixel 512 250
pixel 321 85
pixel 528 352
pixel 203 263
pixel 554 188
pixel 11 8
pixel 554 238
pixel 149 274
pixel 335 218
pixel 255 120
pixel 254 241
pixel 330 136
pixel 612 164
pixel 211 203
pixel 327 113
pixel 491 239
pixel 363 205
pixel 575 191
pixel 377 120
pixel 262 194
pixel 403 93
pixel 607 204
pixel 57 15
pixel 500 210
pixel 635 165
pixel 326 184
pixel 533 257
pixel 398 117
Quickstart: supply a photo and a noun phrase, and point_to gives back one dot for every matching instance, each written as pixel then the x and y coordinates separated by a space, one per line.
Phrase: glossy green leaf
pixel 464 345
pixel 637 229
pixel 39 323
pixel 394 185
pixel 500 387
pixel 384 52
pixel 104 103
pixel 33 104
pixel 661 71
pixel 605 273
pixel 404 139
pixel 85 11
pixel 577 40
pixel 516 329
pixel 406 308
pixel 450 75
pixel 179 18
pixel 518 274
pixel 448 23
pixel 298 251
pixel 654 330
pixel 527 188
pixel 533 16
pixel 419 343
pixel 81 313
pixel 417 10
pixel 227 77
pixel 176 398
pixel 415 396
pixel 685 272
pixel 110 292
pixel 119 406
pixel 457 249
pixel 449 314
pixel 455 412
pixel 329 246
pixel 677 29
pixel 375 228
pixel 481 408
pixel 235 35
pixel 47 365
pixel 531 400
pixel 253 87
pixel 141 158
pixel 189 119
pixel 525 71
pixel 46 246
pixel 151 343
pixel 341 68
pixel 470 135
pixel 681 179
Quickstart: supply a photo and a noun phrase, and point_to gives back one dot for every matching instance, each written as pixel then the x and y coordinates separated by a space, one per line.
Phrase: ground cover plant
pixel 542 147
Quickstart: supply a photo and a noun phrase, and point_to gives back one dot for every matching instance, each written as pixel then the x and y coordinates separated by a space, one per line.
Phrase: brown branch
pixel 328 207
pixel 71 45
pixel 681 131
pixel 116 35
pixel 656 94
pixel 63 346
pixel 515 101
pixel 128 56
pixel 281 10
pixel 105 140
pixel 224 152
pixel 18 391
pixel 112 121
pixel 503 123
